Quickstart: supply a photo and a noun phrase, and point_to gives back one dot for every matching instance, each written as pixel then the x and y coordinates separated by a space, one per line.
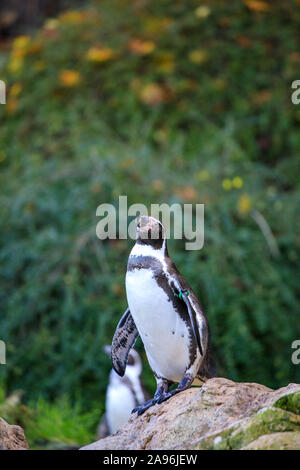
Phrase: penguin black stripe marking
pixel 172 324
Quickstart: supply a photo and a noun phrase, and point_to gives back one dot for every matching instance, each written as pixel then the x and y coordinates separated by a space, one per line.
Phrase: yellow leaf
pixel 21 42
pixel 15 89
pixel 15 65
pixel 165 62
pixel 227 184
pixel 153 94
pixel 237 182
pixel 244 204
pixel 51 24
pixel 202 12
pixel 98 54
pixel 74 16
pixel 198 56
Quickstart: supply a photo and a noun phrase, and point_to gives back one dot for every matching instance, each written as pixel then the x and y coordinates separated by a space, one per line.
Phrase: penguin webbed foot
pixel 142 408
pixel 157 399
pixel 161 391
pixel 167 396
pixel 162 394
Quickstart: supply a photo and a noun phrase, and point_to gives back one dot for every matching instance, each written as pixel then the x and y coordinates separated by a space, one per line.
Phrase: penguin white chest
pixel 163 332
pixel 119 404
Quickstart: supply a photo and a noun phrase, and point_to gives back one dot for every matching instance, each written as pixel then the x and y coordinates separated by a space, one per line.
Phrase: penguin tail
pixel 208 369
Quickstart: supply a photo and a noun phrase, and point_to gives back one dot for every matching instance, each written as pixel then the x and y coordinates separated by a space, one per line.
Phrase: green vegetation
pixel 289 402
pixel 162 101
pixel 57 425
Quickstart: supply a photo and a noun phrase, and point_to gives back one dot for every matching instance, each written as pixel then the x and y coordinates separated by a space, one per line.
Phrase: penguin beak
pixel 142 226
pixel 145 228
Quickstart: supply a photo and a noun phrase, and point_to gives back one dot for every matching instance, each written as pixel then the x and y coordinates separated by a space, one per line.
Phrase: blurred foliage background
pixel 163 101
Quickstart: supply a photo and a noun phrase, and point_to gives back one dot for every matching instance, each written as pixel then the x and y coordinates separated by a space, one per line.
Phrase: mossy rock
pixel 276 441
pixel 266 422
pixel 290 402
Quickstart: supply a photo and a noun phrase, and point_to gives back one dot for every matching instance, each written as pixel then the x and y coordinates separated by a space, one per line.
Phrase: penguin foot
pixel 155 401
pixel 186 381
pixel 166 396
pixel 161 391
pixel 142 408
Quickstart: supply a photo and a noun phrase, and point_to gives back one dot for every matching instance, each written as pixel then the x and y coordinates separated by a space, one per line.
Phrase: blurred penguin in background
pixel 122 395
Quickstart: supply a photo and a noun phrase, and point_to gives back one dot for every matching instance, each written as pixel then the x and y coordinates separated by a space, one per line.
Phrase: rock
pixel 277 441
pixel 220 415
pixel 12 437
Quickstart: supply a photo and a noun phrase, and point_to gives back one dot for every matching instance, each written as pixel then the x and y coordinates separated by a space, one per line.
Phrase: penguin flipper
pixel 124 338
pixel 182 290
pixel 192 316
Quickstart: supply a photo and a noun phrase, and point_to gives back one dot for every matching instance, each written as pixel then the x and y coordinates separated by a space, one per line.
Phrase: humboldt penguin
pixel 165 312
pixel 123 394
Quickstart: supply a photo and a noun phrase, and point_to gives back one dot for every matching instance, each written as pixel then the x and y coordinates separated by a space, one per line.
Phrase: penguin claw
pixel 142 408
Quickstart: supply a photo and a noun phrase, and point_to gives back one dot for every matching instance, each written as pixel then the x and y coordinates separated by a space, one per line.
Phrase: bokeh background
pixel 163 101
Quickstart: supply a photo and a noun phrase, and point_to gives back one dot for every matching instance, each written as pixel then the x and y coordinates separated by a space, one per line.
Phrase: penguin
pixel 123 393
pixel 165 312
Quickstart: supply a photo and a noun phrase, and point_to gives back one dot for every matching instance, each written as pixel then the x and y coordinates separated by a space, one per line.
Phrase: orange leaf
pixel 139 47
pixel 256 5
pixel 187 194
pixel 153 94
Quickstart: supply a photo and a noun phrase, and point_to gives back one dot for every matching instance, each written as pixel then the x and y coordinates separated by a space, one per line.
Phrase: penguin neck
pixel 146 249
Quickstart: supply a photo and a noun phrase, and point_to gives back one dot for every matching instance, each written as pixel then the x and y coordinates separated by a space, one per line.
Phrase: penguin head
pixel 150 231
pixel 134 364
